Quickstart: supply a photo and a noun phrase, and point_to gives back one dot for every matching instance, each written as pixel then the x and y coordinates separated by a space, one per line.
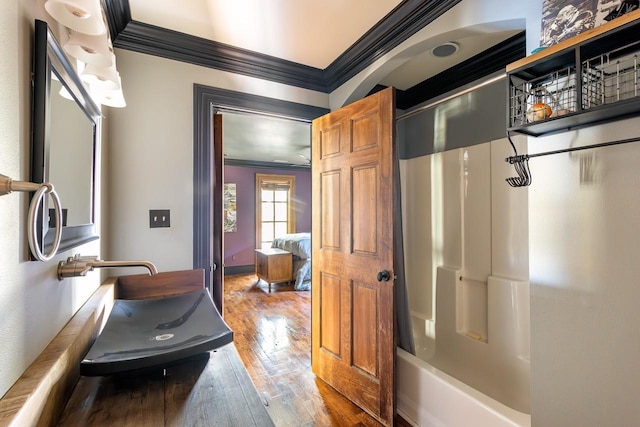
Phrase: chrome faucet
pixel 79 265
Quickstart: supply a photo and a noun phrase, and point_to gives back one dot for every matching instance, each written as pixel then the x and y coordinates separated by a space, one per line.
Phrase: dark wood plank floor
pixel 272 332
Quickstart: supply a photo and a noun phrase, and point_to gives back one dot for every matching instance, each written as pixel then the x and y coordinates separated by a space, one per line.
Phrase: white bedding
pixel 299 244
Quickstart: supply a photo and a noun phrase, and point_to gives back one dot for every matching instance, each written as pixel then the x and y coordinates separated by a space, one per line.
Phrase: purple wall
pixel 239 246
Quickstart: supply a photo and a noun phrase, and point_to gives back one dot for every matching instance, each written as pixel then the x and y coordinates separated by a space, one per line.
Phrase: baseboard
pixel 239 269
pixel 404 420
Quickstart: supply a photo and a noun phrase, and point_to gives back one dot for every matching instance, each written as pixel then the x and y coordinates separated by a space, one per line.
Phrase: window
pixel 274 208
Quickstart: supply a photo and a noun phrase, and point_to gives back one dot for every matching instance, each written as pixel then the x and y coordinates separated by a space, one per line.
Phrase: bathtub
pixel 427 397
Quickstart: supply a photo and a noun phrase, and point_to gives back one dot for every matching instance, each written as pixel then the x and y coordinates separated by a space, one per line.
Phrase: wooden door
pixel 216 279
pixel 353 341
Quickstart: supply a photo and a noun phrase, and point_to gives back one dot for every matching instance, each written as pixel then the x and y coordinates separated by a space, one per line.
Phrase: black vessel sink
pixel 154 332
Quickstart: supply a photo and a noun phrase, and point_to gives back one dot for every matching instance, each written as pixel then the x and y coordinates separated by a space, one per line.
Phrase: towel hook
pixel 521 162
pixel 8 185
pixel 521 165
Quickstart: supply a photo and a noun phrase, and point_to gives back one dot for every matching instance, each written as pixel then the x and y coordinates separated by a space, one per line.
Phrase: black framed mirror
pixel 66 131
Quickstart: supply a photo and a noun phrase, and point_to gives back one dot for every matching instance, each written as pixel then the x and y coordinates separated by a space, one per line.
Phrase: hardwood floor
pixel 272 332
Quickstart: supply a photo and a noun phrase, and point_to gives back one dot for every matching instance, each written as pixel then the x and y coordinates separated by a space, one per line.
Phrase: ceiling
pixel 308 32
pixel 255 138
pixel 316 34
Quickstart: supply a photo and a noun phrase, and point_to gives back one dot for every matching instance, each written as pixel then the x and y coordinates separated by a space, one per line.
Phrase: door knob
pixel 384 276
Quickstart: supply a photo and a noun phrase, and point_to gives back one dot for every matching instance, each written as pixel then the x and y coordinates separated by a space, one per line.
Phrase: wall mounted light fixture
pixel 103 78
pixel 94 50
pixel 89 42
pixel 84 16
pixel 111 98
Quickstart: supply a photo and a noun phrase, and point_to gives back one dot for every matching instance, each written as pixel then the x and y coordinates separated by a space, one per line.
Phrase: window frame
pixel 290 181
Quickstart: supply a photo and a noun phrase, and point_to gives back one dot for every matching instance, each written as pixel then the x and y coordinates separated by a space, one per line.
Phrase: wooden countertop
pixel 211 389
pixel 199 392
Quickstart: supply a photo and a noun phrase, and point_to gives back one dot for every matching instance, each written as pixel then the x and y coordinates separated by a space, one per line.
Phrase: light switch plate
pixel 159 218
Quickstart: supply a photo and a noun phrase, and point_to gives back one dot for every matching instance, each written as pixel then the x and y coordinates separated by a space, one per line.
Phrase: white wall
pixel 584 252
pixel 151 153
pixel 34 305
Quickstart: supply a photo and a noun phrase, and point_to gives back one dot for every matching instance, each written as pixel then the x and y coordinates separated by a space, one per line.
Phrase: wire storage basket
pixel 548 96
pixel 610 77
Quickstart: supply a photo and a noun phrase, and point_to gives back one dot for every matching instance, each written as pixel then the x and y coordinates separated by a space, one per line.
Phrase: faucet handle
pixel 75 266
pixel 84 258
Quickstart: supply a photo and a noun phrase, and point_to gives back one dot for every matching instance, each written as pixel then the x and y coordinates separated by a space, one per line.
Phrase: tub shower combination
pixel 466 262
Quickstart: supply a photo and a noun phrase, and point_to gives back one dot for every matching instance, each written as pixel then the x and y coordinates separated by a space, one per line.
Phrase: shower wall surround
pixel 466 247
pixel 466 266
pixel 573 234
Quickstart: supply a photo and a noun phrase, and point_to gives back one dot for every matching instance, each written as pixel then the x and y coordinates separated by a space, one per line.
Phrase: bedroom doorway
pixel 208 164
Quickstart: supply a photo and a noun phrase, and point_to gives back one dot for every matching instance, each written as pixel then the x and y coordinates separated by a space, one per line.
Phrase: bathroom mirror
pixel 66 136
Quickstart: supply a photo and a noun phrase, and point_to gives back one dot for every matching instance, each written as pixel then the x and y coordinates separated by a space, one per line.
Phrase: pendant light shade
pixel 89 42
pixel 84 16
pixel 94 50
pixel 110 98
pixel 106 78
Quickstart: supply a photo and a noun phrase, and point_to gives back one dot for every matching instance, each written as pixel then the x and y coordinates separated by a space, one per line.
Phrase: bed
pixel 299 244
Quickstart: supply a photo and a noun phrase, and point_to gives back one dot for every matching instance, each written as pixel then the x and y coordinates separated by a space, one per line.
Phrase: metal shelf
pixel 590 79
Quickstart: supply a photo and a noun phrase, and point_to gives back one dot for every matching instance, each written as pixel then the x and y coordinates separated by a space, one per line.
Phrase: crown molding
pixel 118 14
pixel 267 165
pixel 157 41
pixel 401 23
pixel 405 20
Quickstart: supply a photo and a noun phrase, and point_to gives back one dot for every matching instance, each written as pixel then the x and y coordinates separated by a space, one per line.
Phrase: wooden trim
pixel 217 214
pixel 41 393
pixel 572 41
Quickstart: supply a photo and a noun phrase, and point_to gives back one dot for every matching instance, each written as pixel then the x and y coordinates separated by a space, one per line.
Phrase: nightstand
pixel 274 265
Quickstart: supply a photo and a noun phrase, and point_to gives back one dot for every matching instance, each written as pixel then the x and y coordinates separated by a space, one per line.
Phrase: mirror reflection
pixel 66 133
pixel 70 155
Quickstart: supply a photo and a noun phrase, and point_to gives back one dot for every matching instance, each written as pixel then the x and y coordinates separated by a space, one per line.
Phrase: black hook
pixel 521 165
